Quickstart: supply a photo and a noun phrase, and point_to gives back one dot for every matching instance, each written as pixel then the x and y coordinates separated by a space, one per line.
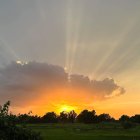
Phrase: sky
pixel 60 55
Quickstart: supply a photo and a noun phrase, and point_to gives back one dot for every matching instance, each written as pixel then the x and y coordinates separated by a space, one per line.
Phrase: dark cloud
pixel 101 89
pixel 20 82
pixel 23 82
pixel 107 88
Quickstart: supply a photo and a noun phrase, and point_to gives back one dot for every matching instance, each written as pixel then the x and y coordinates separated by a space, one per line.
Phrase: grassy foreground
pixel 86 131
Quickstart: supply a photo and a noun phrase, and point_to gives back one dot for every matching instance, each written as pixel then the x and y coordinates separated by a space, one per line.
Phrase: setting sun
pixel 66 108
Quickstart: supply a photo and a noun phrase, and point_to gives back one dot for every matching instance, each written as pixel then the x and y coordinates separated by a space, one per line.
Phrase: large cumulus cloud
pixel 23 82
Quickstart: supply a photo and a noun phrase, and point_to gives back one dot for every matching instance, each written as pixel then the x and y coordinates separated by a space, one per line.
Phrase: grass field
pixel 86 131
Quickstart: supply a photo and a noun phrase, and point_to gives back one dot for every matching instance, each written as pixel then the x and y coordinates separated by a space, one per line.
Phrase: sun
pixel 66 108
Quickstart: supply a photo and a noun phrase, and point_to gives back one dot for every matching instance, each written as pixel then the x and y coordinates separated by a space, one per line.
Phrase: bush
pixel 127 125
pixel 10 131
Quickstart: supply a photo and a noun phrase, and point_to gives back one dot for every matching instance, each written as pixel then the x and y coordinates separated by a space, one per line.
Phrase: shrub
pixel 127 125
pixel 10 131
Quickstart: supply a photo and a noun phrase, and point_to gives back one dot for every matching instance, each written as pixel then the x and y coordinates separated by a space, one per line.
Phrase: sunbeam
pixel 122 58
pixel 113 47
pixel 73 25
pixel 7 53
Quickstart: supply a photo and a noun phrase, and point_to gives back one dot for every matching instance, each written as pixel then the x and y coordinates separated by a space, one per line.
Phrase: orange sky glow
pixel 67 99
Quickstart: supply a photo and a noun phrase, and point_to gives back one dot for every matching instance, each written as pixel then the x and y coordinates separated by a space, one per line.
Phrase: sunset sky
pixel 67 55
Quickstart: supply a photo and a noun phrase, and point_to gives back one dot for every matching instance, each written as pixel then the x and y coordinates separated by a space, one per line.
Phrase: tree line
pixel 85 116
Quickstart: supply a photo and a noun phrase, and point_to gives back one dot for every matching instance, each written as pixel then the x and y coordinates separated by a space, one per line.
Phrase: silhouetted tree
pixel 72 116
pixel 86 116
pixel 135 119
pixel 104 118
pixel 124 118
pixel 50 117
pixel 23 118
pixel 63 117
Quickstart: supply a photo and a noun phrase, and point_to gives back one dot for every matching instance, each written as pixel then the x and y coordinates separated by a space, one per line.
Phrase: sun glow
pixel 66 108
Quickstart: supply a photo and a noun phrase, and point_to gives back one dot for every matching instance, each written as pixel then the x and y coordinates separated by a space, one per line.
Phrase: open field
pixel 86 132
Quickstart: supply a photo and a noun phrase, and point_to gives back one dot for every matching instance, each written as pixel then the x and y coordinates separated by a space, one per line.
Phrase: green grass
pixel 108 131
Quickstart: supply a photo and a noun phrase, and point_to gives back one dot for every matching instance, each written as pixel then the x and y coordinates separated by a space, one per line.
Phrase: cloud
pixel 23 82
pixel 20 82
pixel 107 88
pixel 103 89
